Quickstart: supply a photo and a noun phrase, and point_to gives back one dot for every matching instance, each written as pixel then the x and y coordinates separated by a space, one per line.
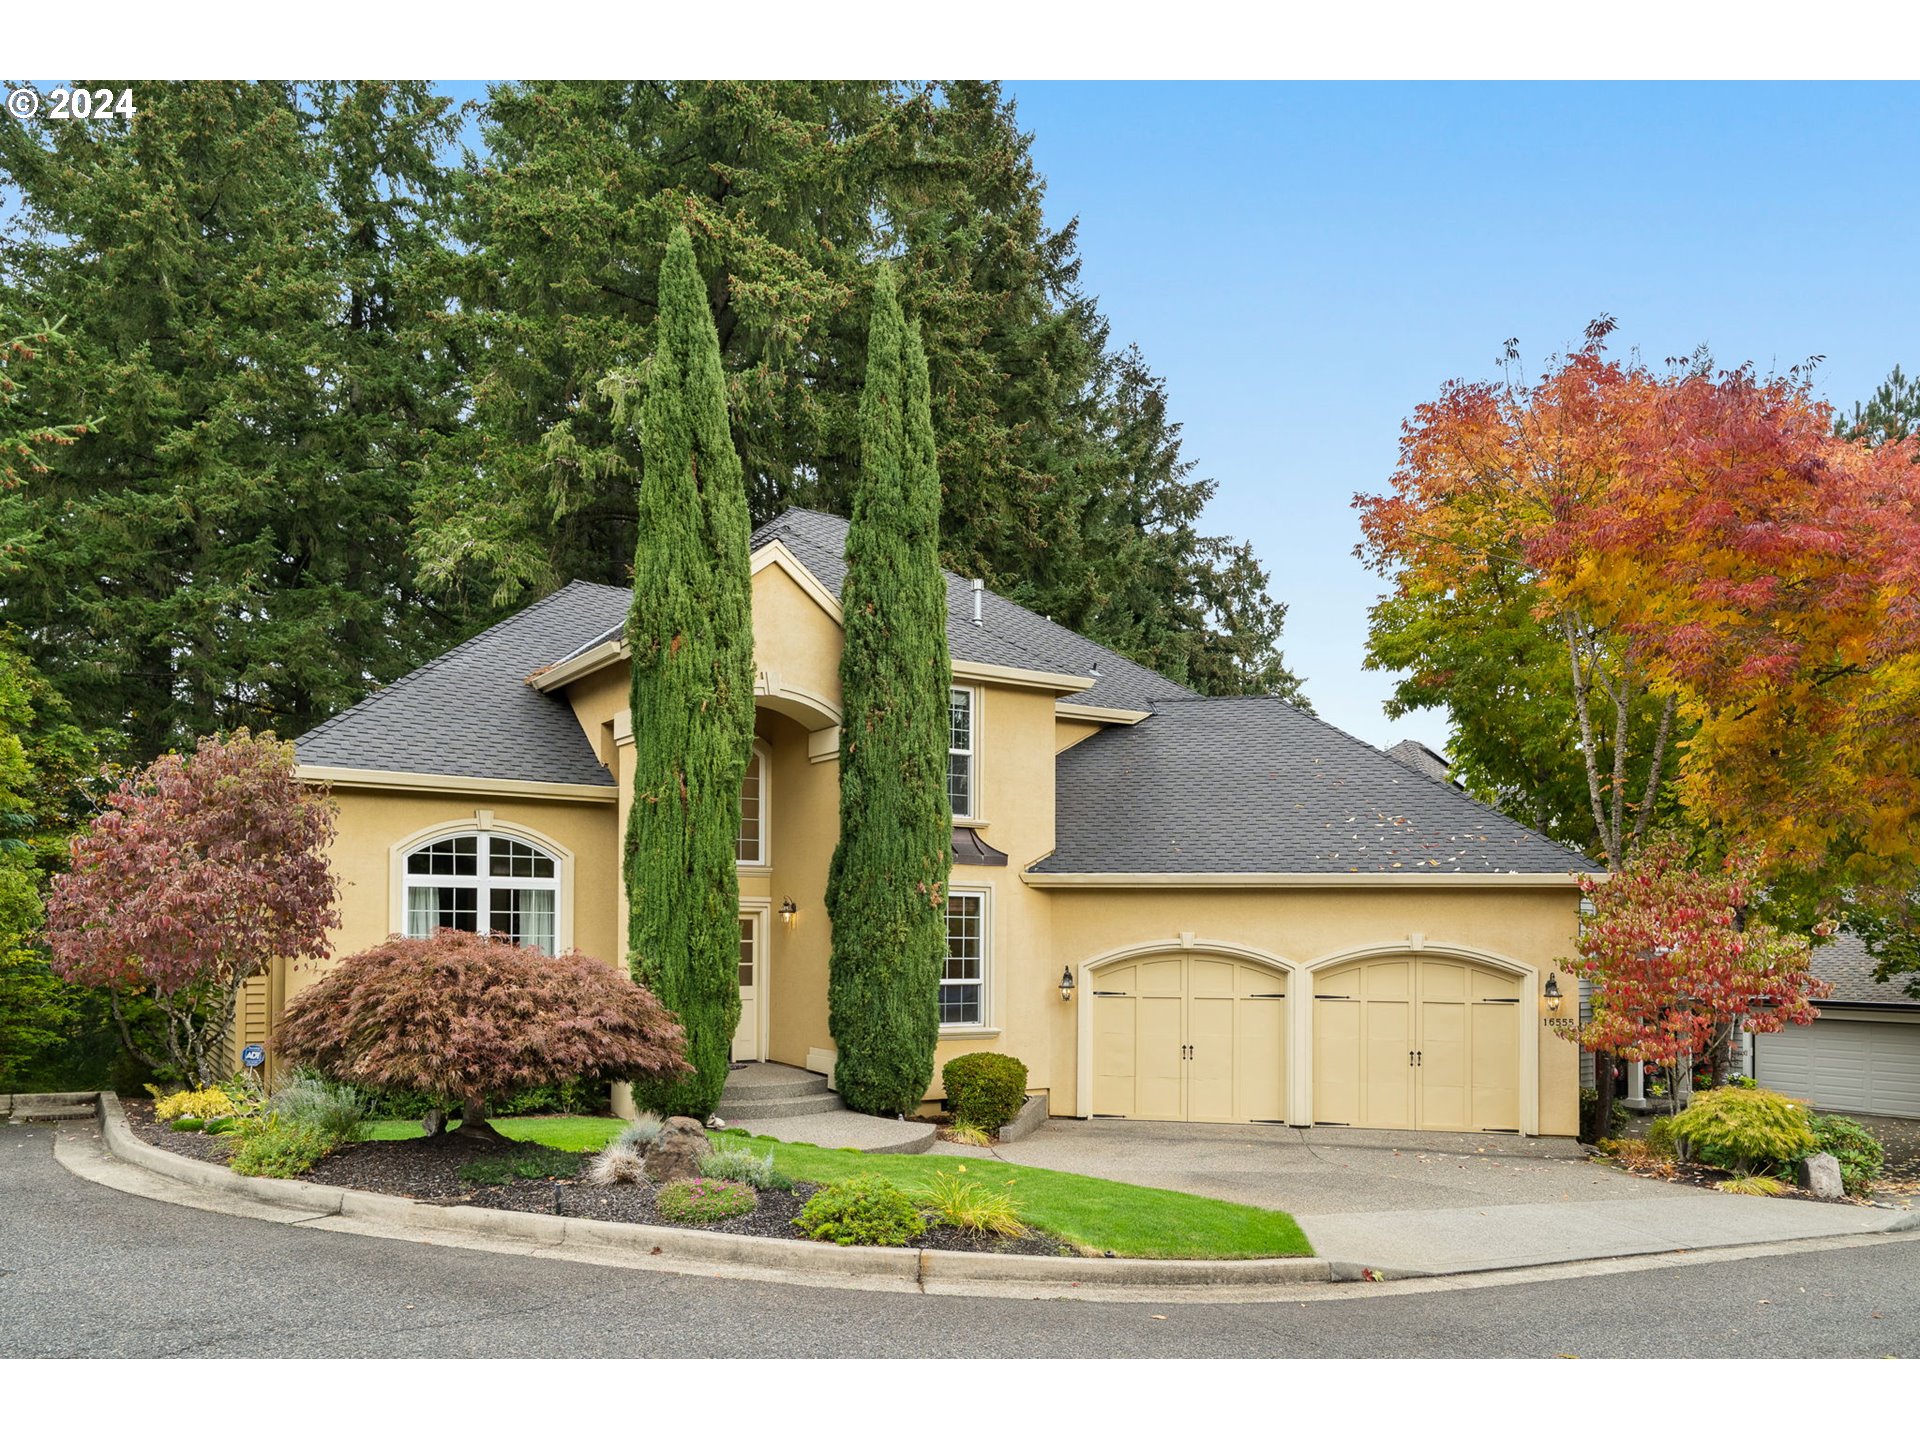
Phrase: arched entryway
pixel 1196 1034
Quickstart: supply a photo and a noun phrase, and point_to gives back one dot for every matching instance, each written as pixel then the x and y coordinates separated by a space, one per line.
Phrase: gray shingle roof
pixel 471 712
pixel 1008 634
pixel 1844 960
pixel 1250 784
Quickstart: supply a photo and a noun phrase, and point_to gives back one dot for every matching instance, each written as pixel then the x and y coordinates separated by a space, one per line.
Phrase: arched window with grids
pixel 483 882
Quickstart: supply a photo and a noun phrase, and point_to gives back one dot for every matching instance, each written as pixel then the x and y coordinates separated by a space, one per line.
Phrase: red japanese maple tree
pixel 1676 968
pixel 200 870
pixel 471 1018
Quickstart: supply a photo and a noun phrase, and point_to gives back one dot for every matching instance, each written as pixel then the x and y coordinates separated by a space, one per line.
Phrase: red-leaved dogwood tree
pixel 200 870
pixel 472 1018
pixel 1676 969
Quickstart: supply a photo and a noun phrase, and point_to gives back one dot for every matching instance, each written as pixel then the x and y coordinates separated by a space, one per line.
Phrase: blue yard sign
pixel 253 1056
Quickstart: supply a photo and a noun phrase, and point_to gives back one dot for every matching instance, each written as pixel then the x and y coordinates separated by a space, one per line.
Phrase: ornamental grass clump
pixel 862 1210
pixel 618 1164
pixel 1745 1131
pixel 969 1205
pixel 734 1159
pixel 311 1101
pixel 704 1201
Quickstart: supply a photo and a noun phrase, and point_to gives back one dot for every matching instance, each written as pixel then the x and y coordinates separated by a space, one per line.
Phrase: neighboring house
pixel 1169 907
pixel 1863 1053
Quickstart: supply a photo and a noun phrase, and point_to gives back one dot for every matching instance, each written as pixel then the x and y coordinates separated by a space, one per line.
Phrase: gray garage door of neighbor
pixel 1872 1067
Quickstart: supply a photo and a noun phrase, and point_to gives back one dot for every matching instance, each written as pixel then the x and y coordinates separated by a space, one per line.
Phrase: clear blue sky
pixel 1306 263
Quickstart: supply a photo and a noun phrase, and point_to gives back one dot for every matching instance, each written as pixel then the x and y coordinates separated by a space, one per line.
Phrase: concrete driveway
pixel 1420 1203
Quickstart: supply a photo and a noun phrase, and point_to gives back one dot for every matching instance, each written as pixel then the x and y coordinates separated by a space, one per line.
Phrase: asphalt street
pixel 88 1271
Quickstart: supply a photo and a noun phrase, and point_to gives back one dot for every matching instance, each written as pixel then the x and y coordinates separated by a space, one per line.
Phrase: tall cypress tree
pixel 691 632
pixel 886 890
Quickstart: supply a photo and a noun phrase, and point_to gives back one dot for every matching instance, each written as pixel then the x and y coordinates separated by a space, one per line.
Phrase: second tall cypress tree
pixel 886 890
pixel 691 633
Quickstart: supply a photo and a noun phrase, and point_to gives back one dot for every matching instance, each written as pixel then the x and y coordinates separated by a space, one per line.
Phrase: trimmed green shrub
pixel 732 1159
pixel 269 1145
pixel 984 1089
pixel 1858 1150
pixel 1743 1130
pixel 189 1122
pixel 863 1210
pixel 220 1126
pixel 704 1201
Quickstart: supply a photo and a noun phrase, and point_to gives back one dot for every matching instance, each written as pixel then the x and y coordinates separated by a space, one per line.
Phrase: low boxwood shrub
pixel 189 1122
pixel 862 1210
pixel 984 1089
pixel 704 1201
pixel 1858 1150
pixel 1743 1130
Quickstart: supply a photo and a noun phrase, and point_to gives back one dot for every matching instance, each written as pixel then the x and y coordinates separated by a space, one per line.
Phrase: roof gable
pixel 471 713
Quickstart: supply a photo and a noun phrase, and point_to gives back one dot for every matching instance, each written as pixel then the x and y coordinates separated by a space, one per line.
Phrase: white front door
pixel 746 1037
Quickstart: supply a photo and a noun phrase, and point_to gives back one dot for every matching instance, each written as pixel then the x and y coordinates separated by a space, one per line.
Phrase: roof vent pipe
pixel 978 586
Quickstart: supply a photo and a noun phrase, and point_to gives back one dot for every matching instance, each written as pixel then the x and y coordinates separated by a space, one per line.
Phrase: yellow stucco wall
pixel 375 824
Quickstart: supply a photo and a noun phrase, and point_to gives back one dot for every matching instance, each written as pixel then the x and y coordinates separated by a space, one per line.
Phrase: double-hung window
pixel 485 883
pixel 961 729
pixel 963 983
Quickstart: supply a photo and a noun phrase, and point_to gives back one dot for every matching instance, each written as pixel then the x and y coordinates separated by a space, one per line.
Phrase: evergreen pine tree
pixel 886 890
pixel 691 633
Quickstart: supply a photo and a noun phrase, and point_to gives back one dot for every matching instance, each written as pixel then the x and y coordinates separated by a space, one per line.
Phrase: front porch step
pixel 822 1104
pixel 23 1114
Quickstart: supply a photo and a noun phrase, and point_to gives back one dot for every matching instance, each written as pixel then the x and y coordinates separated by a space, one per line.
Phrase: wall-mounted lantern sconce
pixel 1552 991
pixel 787 911
pixel 1066 984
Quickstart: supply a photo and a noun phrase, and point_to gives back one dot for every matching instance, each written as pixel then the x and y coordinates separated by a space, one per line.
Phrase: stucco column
pixel 1636 1085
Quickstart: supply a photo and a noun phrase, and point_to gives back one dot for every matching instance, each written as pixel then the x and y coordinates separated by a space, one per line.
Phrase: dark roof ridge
pixel 447 656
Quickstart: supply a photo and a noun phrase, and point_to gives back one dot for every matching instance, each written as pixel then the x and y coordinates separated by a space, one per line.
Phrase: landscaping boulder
pixel 676 1154
pixel 1820 1174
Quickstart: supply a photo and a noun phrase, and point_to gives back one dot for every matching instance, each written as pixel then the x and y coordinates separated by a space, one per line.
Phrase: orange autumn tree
pixel 1496 480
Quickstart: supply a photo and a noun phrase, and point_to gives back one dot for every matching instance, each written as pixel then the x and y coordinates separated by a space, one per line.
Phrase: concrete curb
pixel 1033 1114
pixel 703 1252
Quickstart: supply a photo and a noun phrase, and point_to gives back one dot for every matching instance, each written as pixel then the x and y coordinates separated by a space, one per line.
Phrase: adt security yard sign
pixel 253 1056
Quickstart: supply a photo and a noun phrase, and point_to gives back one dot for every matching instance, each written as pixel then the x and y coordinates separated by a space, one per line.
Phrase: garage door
pixel 1870 1067
pixel 1190 1037
pixel 1416 1044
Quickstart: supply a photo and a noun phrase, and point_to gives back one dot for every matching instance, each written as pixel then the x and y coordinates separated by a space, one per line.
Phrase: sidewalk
pixel 1432 1204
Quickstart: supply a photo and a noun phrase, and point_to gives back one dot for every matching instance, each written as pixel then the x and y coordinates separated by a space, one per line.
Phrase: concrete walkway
pixel 1418 1203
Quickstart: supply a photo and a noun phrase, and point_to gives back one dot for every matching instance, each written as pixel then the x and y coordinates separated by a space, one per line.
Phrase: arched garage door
pixel 1406 1043
pixel 1190 1037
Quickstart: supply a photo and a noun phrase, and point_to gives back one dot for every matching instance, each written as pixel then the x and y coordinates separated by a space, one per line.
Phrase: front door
pixel 746 1037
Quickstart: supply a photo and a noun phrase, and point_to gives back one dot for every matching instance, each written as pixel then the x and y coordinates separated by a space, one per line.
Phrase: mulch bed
pixel 429 1171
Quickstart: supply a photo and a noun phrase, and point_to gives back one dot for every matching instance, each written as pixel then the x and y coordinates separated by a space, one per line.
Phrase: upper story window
pixel 483 882
pixel 960 766
pixel 750 844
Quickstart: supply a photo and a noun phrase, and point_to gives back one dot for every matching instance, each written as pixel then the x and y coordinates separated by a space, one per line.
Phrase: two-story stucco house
pixel 1169 907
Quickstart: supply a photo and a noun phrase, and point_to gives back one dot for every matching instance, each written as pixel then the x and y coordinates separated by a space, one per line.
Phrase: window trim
pixel 483 822
pixel 974 703
pixel 765 861
pixel 985 1024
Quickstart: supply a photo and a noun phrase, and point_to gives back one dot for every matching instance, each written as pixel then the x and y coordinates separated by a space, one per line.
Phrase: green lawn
pixel 562 1132
pixel 1095 1215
